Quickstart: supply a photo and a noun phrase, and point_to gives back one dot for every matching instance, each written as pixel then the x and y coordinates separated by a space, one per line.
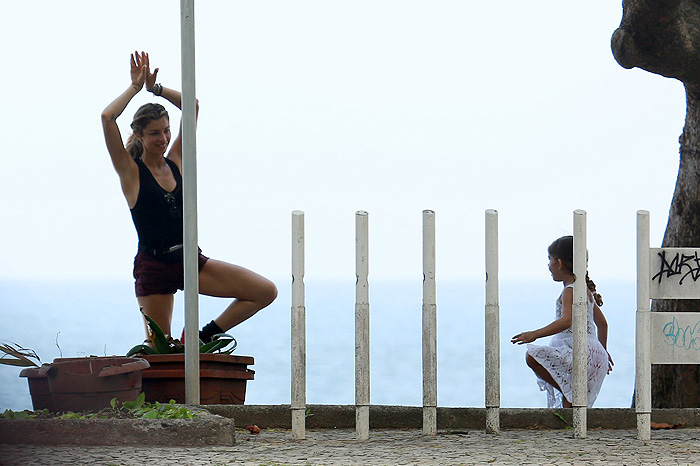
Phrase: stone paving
pixel 275 447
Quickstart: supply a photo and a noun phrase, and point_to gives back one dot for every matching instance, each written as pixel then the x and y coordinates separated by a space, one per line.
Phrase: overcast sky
pixel 332 107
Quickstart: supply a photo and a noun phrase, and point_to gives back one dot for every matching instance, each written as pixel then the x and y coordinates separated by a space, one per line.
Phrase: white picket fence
pixel 429 326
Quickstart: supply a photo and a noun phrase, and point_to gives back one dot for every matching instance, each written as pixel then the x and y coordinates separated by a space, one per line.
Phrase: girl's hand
pixel 610 363
pixel 524 337
pixel 150 77
pixel 138 69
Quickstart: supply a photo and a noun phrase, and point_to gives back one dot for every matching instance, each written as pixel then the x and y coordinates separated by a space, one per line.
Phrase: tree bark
pixel 663 37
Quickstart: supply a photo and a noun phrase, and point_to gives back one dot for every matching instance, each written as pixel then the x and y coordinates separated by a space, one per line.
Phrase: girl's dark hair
pixel 144 115
pixel 563 249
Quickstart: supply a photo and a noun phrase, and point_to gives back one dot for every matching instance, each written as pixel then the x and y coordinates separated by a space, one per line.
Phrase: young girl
pixel 553 364
pixel 149 169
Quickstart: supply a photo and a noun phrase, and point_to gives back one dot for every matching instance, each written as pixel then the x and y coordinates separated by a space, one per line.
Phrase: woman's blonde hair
pixel 143 116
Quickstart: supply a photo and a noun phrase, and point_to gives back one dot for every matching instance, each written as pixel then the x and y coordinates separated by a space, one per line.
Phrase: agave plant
pixel 15 355
pixel 164 344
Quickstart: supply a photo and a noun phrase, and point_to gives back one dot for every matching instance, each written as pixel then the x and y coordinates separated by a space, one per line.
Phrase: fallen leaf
pixel 253 429
pixel 663 425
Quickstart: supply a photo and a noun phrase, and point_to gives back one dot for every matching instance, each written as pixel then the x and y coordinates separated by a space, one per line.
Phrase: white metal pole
pixel 580 327
pixel 492 333
pixel 642 397
pixel 362 325
pixel 298 329
pixel 189 189
pixel 429 325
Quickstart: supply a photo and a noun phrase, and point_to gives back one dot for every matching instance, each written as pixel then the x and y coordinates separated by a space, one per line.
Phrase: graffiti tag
pixel 681 264
pixel 687 337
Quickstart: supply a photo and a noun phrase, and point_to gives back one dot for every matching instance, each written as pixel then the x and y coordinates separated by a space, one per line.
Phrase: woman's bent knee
pixel 268 293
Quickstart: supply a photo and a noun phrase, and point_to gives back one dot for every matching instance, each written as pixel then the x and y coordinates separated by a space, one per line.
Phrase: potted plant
pixel 76 384
pixel 223 376
pixel 15 355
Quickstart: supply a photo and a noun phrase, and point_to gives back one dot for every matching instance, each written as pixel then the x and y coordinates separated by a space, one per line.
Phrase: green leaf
pixel 15 355
pixel 211 346
pixel 22 415
pixel 219 341
pixel 559 415
pixel 152 414
pixel 144 349
pixel 17 362
pixel 159 340
pixel 137 403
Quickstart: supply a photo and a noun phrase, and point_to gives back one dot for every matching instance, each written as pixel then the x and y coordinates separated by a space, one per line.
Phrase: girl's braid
pixel 596 296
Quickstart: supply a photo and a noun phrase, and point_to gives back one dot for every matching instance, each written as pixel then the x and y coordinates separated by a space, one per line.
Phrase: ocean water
pixel 68 319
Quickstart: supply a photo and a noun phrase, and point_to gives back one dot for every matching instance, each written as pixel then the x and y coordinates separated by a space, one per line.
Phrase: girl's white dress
pixel 557 359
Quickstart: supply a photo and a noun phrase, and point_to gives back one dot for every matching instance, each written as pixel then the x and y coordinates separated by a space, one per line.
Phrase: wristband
pixel 156 90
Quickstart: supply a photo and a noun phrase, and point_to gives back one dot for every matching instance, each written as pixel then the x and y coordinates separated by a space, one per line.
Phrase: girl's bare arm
pixel 556 326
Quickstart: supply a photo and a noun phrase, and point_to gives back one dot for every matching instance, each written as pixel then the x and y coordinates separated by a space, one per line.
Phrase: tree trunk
pixel 663 37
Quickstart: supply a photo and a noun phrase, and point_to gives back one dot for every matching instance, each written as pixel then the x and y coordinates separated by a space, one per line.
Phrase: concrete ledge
pixel 216 427
pixel 411 417
pixel 205 429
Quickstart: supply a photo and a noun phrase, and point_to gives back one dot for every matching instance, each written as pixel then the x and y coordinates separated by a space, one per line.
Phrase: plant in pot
pixel 76 384
pixel 16 355
pixel 222 375
pixel 159 343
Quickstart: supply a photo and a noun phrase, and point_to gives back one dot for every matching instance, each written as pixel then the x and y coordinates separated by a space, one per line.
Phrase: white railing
pixel 492 327
pixel 579 315
pixel 429 326
pixel 298 329
pixel 362 325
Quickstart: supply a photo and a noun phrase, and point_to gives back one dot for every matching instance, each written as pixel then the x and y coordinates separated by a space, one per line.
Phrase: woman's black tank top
pixel 157 214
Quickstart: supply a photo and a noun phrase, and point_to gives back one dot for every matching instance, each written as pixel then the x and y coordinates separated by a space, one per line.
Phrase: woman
pixel 152 185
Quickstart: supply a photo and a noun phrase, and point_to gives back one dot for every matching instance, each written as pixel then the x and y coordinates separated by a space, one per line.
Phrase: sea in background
pixel 82 318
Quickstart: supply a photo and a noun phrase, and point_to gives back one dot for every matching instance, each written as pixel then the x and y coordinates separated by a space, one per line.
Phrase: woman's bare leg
pixel 546 376
pixel 158 307
pixel 223 280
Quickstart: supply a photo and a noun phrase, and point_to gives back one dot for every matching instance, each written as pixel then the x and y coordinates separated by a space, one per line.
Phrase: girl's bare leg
pixel 158 307
pixel 223 280
pixel 546 376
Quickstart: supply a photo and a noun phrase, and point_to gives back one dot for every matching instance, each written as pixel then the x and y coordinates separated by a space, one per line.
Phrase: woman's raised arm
pixel 121 159
pixel 175 98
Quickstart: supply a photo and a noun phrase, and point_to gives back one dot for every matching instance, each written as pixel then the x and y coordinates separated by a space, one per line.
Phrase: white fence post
pixel 642 397
pixel 298 329
pixel 362 325
pixel 492 336
pixel 580 327
pixel 429 325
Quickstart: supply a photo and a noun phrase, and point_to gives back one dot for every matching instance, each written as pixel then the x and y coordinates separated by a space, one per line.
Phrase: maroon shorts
pixel 154 276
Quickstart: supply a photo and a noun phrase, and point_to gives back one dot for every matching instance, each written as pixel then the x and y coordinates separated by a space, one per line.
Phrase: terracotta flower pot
pixel 222 378
pixel 89 384
pixel 38 389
